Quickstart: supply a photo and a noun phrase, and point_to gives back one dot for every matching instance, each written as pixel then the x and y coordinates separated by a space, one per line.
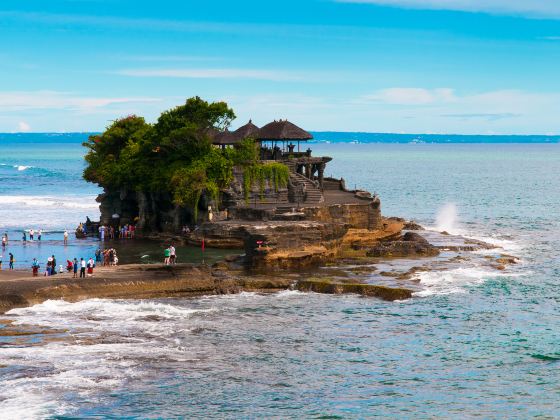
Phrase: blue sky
pixel 410 66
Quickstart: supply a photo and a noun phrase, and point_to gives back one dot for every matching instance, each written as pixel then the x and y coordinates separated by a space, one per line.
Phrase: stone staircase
pixel 291 165
pixel 313 194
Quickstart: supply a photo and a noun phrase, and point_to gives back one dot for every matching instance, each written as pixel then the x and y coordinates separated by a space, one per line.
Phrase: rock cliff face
pixel 357 216
pixel 286 245
pixel 152 212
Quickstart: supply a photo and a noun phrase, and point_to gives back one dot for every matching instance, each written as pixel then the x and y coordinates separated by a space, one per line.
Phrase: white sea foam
pixel 18 167
pixel 287 294
pixel 46 211
pixel 110 342
pixel 446 219
pixel 78 202
pixel 108 315
pixel 455 281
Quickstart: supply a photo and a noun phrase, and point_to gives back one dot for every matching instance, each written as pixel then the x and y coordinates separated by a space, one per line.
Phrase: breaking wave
pixel 46 212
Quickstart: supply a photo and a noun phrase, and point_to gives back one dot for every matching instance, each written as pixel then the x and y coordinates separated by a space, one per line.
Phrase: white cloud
pixel 227 73
pixel 419 110
pixel 37 100
pixel 23 127
pixel 412 96
pixel 531 8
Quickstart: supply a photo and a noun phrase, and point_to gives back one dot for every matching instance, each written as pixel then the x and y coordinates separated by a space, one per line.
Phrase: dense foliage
pixel 175 155
pixel 275 173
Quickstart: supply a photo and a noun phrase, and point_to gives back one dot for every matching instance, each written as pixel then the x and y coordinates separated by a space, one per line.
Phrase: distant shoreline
pixel 332 137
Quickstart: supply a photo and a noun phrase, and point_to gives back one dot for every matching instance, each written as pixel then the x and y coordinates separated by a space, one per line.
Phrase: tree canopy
pixel 175 155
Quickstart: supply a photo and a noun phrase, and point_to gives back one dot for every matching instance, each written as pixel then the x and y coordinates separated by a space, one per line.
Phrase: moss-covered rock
pixel 329 287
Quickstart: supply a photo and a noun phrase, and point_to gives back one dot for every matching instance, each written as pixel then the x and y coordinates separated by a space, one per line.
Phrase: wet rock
pixel 328 287
pixel 12 300
pixel 410 245
pixel 507 259
pixel 412 225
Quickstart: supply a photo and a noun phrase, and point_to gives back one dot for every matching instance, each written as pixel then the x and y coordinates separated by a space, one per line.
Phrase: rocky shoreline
pixel 137 281
pixel 382 263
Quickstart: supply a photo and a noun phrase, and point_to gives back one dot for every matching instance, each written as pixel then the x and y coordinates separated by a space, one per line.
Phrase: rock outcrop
pixel 410 245
pixel 139 281
pixel 329 287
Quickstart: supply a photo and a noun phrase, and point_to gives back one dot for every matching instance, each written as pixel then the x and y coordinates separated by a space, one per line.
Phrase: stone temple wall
pixel 357 216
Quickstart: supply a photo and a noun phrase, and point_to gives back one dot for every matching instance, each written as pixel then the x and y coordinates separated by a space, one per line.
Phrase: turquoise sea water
pixel 476 342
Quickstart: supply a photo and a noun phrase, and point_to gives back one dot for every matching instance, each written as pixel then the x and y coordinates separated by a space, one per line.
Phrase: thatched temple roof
pixel 225 138
pixel 283 130
pixel 247 130
pixel 276 130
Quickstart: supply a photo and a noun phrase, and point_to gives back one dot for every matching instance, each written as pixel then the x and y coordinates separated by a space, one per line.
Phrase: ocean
pixel 472 342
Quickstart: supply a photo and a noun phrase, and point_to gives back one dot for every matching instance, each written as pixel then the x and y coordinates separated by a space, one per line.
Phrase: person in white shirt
pixel 31 234
pixel 172 254
pixel 90 265
pixel 65 237
pixel 82 268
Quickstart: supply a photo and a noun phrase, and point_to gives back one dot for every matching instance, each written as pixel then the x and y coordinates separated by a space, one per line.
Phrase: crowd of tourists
pixel 33 235
pixel 122 232
pixel 82 267
pixel 107 256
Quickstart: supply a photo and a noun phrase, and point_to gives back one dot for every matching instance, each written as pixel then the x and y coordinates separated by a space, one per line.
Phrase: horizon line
pixel 320 132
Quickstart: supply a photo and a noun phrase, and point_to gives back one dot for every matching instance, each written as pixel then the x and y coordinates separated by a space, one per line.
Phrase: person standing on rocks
pixel 82 268
pixel 24 237
pixel 75 268
pixel 166 255
pixel 90 265
pixel 65 237
pixel 53 268
pixel 11 266
pixel 35 266
pixel 39 235
pixel 31 234
pixel 49 266
pixel 172 254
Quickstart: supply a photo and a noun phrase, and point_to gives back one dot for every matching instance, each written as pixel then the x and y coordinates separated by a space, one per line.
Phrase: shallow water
pixel 472 342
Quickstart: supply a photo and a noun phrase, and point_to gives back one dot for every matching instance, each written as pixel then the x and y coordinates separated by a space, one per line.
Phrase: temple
pixel 307 196
pixel 284 142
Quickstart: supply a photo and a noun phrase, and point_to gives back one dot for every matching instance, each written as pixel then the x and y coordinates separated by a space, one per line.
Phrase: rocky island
pixel 254 190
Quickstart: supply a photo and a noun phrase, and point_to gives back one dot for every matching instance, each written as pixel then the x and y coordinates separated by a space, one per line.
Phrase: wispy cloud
pixel 530 8
pixel 38 100
pixel 411 96
pixel 486 116
pixel 23 127
pixel 226 73
pixel 169 58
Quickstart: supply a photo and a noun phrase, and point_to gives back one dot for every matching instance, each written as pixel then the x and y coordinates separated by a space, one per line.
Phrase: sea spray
pixel 446 218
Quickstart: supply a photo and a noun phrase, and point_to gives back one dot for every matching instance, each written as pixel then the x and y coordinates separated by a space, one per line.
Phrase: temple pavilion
pixel 281 141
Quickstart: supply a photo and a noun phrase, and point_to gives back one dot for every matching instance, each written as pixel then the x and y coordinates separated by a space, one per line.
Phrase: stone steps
pixel 313 194
pixel 291 166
